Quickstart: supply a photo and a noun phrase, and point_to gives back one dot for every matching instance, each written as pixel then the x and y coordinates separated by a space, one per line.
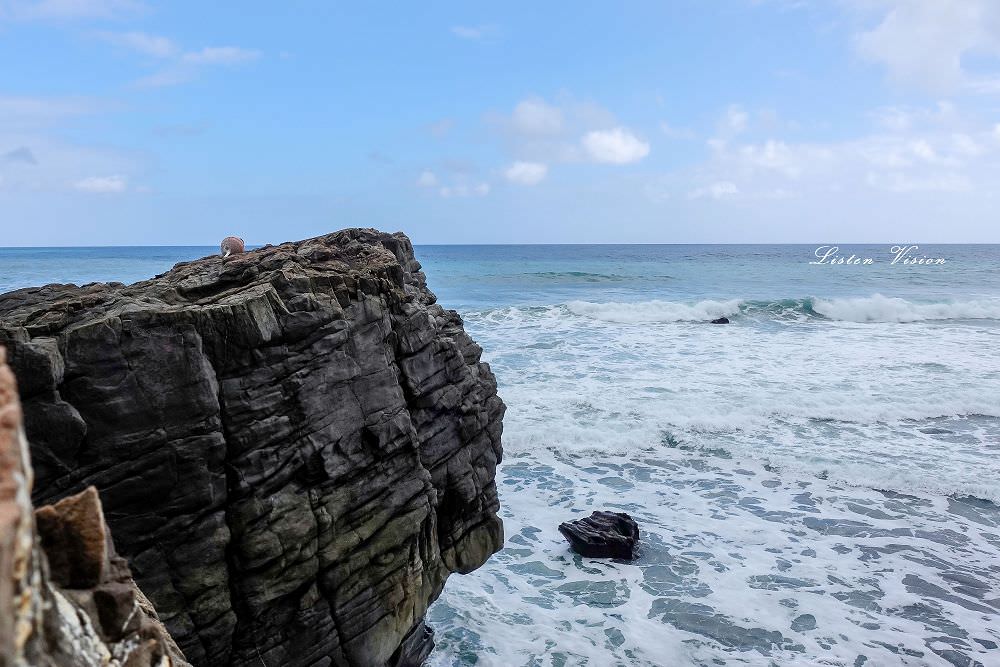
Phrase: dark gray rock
pixel 603 535
pixel 66 598
pixel 294 446
pixel 721 320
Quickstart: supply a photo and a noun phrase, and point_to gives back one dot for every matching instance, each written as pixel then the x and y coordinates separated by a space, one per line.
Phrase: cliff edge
pixel 294 446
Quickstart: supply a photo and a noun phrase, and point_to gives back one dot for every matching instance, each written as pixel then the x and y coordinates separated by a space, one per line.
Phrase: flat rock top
pixel 351 253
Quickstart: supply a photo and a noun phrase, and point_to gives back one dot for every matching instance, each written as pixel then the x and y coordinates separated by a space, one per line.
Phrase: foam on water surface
pixel 811 490
pixel 739 565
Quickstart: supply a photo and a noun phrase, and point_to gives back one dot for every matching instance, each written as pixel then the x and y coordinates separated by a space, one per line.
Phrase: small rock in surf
pixel 721 320
pixel 603 535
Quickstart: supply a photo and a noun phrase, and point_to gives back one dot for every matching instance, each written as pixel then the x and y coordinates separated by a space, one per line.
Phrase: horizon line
pixel 457 245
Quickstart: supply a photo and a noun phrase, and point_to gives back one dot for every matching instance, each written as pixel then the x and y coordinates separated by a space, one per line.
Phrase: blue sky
pixel 128 122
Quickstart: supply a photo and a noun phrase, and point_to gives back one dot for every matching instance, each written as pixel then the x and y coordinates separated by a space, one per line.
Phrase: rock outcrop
pixel 294 446
pixel 66 599
pixel 603 535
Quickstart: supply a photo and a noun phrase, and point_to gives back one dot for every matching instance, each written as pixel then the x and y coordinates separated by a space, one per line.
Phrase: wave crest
pixel 876 308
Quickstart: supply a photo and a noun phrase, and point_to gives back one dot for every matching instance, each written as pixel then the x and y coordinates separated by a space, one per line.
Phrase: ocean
pixel 816 483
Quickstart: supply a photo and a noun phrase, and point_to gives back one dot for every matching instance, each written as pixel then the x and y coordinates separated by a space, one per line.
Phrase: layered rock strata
pixel 66 599
pixel 294 446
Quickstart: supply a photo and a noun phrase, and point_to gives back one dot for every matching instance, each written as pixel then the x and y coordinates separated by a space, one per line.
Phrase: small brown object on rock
pixel 232 245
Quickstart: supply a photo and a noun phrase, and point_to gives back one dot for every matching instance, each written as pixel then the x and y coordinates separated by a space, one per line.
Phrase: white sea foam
pixel 756 458
pixel 878 308
pixel 655 311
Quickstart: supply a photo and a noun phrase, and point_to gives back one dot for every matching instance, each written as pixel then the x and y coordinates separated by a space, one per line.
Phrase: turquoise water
pixel 816 482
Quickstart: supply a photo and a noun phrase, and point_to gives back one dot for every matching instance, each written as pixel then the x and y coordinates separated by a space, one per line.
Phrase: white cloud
pixel 735 121
pixel 466 32
pixel 28 113
pixel 935 151
pixel 182 67
pixel 614 146
pixel 102 184
pixel 966 146
pixel 221 55
pixel 526 173
pixel 427 179
pixel 168 77
pixel 773 155
pixel 62 10
pixel 143 43
pixel 471 31
pixel 672 132
pixel 719 190
pixel 906 119
pixel 535 117
pixel 441 128
pixel 36 157
pixel 462 190
pixel 923 42
pixel 899 182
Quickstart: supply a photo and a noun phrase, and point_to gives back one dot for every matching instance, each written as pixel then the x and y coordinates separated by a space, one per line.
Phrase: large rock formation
pixel 66 599
pixel 294 446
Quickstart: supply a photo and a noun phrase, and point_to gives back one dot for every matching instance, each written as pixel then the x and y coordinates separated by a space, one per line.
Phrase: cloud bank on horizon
pixel 132 122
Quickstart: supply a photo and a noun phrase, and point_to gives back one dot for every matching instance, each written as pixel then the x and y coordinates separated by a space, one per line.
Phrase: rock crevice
pixel 294 446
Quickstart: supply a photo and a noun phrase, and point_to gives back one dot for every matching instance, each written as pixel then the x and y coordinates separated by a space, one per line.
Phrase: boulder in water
pixel 603 535
pixel 721 320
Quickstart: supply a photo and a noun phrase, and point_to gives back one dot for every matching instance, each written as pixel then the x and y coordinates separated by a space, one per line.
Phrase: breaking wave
pixel 876 308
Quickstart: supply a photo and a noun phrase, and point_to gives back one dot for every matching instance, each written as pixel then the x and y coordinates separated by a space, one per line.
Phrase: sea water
pixel 816 483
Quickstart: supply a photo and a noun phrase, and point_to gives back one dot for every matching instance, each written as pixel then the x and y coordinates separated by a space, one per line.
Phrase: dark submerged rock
pixel 294 446
pixel 721 320
pixel 603 535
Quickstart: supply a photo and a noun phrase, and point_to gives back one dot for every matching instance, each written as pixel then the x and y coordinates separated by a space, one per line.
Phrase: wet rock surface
pixel 295 446
pixel 66 598
pixel 603 535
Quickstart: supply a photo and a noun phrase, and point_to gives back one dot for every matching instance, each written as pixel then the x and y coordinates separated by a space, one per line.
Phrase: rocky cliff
pixel 294 446
pixel 66 599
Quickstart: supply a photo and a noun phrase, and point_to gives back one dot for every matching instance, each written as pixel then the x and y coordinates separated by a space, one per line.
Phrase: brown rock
pixel 73 537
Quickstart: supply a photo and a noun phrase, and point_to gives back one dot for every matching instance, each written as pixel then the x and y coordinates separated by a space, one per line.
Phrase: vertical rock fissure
pixel 232 570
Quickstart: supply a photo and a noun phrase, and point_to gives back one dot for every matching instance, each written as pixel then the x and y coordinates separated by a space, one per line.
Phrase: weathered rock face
pixel 66 599
pixel 294 446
